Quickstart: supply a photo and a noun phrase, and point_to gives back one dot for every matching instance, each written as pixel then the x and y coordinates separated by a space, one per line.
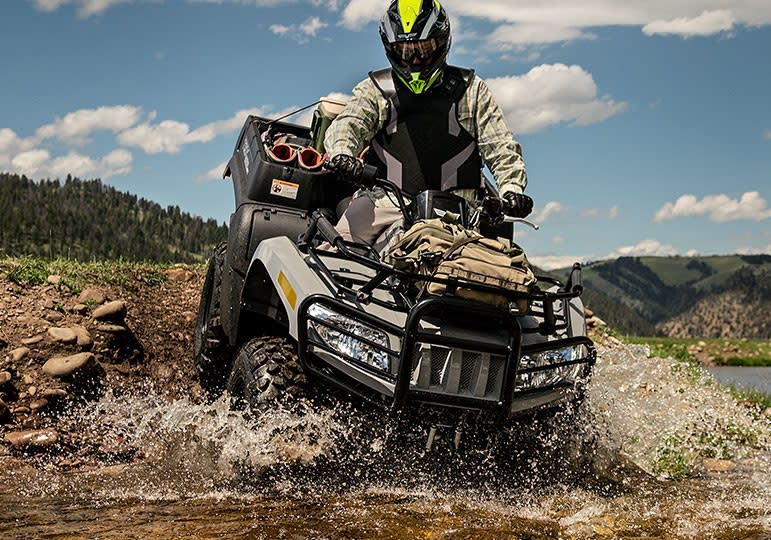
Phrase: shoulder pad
pixel 384 82
pixel 465 73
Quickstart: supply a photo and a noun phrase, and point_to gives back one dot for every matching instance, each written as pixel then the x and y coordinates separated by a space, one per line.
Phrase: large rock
pixel 111 311
pixel 65 366
pixel 37 439
pixel 62 335
pixel 19 354
pixel 84 338
pixel 92 295
pixel 5 377
pixel 179 274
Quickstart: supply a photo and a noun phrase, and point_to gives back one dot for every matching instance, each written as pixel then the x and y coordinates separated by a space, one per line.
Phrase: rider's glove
pixel 520 205
pixel 492 209
pixel 348 168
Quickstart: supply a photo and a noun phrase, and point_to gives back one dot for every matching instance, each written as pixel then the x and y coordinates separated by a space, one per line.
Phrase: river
pixel 207 472
pixel 747 378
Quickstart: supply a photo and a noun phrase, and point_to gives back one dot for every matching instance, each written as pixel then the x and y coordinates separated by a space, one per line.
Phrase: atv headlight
pixel 342 334
pixel 553 376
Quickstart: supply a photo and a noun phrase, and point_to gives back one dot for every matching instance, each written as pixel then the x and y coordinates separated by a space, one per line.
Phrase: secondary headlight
pixel 556 375
pixel 341 333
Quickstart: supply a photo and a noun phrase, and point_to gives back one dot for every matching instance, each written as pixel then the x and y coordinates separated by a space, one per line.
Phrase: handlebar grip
pixel 328 230
pixel 576 279
pixel 368 174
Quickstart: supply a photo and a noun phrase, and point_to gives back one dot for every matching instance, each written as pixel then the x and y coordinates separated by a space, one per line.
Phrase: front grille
pixel 457 372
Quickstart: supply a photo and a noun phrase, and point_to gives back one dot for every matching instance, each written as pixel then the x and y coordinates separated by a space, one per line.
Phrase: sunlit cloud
pixel 549 95
pixel 553 262
pixel 301 32
pixel 551 208
pixel 649 247
pixel 705 24
pixel 215 173
pixel 719 208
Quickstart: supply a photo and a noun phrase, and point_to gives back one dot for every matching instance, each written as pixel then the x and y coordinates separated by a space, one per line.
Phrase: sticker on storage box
pixel 288 190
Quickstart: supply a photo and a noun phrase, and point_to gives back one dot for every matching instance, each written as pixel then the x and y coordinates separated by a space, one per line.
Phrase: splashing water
pixel 208 471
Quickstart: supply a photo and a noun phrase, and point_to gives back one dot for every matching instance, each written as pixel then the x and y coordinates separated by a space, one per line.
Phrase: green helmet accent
pixel 416 37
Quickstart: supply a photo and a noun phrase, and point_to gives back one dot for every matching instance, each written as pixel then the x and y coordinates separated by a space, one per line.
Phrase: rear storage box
pixel 258 179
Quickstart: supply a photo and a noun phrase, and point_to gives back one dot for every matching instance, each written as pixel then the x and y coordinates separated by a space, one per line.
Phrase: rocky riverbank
pixel 62 346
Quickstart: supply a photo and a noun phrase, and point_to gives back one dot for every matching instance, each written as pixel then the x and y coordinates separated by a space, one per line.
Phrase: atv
pixel 281 313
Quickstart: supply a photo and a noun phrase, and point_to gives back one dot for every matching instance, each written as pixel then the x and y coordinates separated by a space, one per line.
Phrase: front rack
pixel 361 288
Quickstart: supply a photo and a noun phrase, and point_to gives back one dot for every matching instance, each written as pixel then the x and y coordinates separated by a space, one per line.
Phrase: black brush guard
pixel 349 289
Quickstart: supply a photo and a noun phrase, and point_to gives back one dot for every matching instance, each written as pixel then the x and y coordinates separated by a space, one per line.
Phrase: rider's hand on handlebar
pixel 348 168
pixel 519 204
pixel 492 209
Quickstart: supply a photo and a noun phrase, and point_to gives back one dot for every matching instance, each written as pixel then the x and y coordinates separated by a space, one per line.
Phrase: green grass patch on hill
pixel 718 351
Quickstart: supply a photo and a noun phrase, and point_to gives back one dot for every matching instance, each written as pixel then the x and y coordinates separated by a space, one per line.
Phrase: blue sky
pixel 646 125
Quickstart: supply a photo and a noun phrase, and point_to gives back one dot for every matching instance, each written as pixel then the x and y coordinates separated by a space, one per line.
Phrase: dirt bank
pixel 63 346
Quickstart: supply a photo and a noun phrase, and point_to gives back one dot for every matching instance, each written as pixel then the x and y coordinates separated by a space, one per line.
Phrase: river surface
pixel 208 472
pixel 747 378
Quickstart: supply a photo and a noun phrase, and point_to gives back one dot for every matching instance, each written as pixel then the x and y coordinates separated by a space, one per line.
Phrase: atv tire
pixel 266 370
pixel 210 349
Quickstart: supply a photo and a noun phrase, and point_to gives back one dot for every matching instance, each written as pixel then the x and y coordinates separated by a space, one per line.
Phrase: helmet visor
pixel 415 52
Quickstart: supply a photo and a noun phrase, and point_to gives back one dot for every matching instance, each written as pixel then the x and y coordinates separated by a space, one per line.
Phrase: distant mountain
pixel 717 296
pixel 88 220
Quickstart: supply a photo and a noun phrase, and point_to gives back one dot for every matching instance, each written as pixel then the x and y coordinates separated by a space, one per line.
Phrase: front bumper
pixel 473 360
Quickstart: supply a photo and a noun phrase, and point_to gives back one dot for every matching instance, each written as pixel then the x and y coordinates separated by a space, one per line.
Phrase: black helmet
pixel 416 36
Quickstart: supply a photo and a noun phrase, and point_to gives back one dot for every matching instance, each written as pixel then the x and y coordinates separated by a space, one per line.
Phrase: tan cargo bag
pixel 440 248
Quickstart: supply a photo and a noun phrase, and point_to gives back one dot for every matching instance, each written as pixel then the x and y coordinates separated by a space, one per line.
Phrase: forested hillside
pixel 711 296
pixel 87 220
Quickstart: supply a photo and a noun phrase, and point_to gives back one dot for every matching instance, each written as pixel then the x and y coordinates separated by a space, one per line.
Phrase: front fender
pixel 279 278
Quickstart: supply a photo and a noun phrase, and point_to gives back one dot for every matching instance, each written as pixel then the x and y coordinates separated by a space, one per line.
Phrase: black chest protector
pixel 422 144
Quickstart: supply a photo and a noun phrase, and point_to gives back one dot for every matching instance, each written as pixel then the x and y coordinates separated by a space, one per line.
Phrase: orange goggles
pixel 406 51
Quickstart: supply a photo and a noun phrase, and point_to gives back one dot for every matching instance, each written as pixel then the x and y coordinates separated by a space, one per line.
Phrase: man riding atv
pixel 448 328
pixel 427 125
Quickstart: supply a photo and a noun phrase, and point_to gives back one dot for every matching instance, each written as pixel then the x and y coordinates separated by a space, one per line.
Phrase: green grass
pixel 751 397
pixel 744 353
pixel 723 352
pixel 76 275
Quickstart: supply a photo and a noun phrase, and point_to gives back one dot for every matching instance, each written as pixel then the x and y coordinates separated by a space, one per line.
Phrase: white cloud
pixel 50 5
pixel 705 24
pixel 279 29
pixel 746 250
pixel 767 134
pixel 551 208
pixel 611 214
pixel 215 173
pixel 89 8
pixel 75 127
pixel 30 156
pixel 648 247
pixel 85 8
pixel 168 136
pixel 508 36
pixel 720 208
pixel 553 262
pixel 311 26
pixel 550 94
pixel 300 32
pixel 360 12
pixel 40 164
pixel 564 20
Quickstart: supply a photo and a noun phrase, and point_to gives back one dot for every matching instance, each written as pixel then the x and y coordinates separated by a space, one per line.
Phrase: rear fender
pixel 277 281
